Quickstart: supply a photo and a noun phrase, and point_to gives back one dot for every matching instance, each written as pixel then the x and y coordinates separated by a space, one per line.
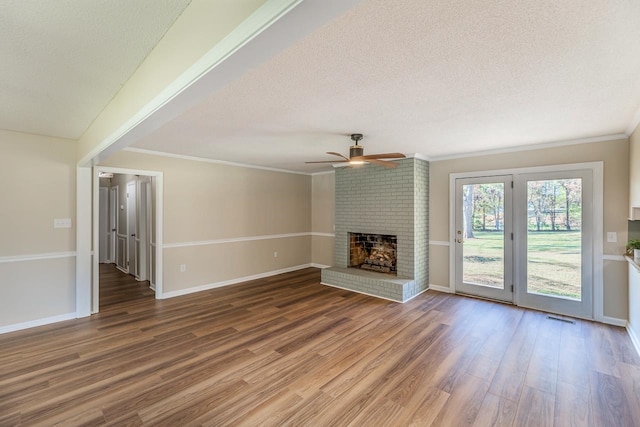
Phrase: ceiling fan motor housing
pixel 356 151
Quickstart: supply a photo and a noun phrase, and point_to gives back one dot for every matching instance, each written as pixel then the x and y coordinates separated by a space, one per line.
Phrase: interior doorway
pixel 127 226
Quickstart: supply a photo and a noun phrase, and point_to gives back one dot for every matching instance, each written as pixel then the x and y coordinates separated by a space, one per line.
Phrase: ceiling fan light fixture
pixel 357 162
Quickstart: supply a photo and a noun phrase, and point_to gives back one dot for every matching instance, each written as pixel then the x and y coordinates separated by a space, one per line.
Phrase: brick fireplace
pixel 378 201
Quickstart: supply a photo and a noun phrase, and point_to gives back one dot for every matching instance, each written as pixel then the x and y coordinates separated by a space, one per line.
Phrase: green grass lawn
pixel 553 264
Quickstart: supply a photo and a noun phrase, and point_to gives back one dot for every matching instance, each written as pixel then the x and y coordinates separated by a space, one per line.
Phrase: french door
pixel 554 223
pixel 527 239
pixel 483 237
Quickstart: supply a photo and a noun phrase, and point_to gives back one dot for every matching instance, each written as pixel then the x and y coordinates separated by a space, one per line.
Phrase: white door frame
pixel 90 297
pixel 132 255
pixel 598 221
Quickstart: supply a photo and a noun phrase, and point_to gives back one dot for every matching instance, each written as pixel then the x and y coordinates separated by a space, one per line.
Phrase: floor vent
pixel 560 319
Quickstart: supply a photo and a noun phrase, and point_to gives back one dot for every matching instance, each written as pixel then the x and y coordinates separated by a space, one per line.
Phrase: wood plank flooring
pixel 288 351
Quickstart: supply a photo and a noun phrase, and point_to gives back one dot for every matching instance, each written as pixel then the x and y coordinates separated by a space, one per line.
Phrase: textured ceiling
pixel 64 60
pixel 439 77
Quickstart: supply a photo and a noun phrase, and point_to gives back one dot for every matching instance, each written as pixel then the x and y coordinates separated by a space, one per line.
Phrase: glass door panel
pixel 554 238
pixel 554 242
pixel 483 237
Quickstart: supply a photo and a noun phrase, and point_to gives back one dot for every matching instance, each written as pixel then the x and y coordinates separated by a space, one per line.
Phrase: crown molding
pixel 205 160
pixel 530 147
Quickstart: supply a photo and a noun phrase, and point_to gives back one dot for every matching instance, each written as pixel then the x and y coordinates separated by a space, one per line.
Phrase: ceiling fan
pixel 357 157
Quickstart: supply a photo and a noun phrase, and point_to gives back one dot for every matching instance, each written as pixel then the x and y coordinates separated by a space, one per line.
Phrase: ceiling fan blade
pixel 382 163
pixel 337 154
pixel 385 156
pixel 331 161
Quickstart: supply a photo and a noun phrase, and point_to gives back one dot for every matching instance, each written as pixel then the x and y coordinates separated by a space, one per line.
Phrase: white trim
pixel 439 288
pixel 598 241
pixel 614 321
pixel 36 257
pixel 315 233
pixel 361 292
pixel 439 243
pixel 37 322
pixel 633 124
pixel 206 160
pixel 635 339
pixel 84 254
pixel 314 265
pixel 233 240
pixel 519 148
pixel 180 292
pixel 122 269
pixel 613 257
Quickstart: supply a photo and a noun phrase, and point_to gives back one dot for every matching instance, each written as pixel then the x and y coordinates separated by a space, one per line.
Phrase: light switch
pixel 62 223
pixel 612 237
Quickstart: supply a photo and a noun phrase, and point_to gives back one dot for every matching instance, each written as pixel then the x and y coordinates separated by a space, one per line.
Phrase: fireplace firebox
pixel 374 252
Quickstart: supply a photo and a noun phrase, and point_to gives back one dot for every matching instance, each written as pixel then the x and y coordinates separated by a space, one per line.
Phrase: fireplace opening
pixel 374 252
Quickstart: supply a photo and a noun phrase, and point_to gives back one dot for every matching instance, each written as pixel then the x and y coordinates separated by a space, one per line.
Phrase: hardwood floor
pixel 288 351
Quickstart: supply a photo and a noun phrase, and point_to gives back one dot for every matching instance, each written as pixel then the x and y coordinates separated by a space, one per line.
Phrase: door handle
pixel 460 241
pixel 113 229
pixel 133 235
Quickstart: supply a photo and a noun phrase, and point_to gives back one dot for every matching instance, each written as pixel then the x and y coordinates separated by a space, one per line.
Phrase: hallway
pixel 117 287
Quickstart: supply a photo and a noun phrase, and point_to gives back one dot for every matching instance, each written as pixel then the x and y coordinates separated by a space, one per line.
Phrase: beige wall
pixel 38 175
pixel 322 218
pixel 634 168
pixel 197 30
pixel 614 154
pixel 207 201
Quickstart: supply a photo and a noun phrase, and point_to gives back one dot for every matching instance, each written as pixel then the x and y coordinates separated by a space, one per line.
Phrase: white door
pixel 103 221
pixel 483 237
pixel 113 222
pixel 132 252
pixel 554 261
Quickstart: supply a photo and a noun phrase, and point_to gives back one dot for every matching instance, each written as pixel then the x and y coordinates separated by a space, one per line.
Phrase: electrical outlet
pixel 612 237
pixel 275 254
pixel 183 268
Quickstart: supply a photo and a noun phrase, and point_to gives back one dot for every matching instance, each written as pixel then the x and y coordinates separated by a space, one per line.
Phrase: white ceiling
pixel 64 60
pixel 434 77
pixel 439 77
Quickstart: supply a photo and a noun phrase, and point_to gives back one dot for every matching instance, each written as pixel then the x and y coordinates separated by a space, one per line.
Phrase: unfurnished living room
pixel 320 213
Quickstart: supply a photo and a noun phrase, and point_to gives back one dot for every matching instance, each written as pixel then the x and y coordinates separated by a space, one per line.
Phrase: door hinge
pixel 511 184
pixel 511 288
pixel 511 236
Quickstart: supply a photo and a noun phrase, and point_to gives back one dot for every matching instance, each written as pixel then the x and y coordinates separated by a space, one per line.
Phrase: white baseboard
pixel 439 288
pixel 208 286
pixel 37 322
pixel 614 321
pixel 314 265
pixel 122 269
pixel 635 339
